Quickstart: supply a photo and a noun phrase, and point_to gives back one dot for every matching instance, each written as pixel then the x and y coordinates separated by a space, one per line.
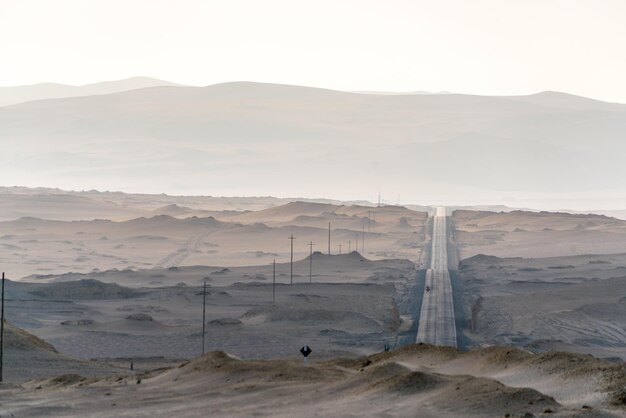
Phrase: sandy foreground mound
pixel 28 357
pixel 417 380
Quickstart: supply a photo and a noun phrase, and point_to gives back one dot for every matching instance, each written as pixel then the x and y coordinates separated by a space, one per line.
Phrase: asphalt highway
pixel 436 323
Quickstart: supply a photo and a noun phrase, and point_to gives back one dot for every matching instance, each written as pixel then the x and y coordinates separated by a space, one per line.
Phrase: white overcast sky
pixel 478 46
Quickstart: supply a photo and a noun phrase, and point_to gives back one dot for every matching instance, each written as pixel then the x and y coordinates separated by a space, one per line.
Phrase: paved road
pixel 436 325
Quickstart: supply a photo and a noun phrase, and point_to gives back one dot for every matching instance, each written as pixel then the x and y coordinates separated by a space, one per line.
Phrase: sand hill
pixel 536 234
pixel 414 381
pixel 28 357
pixel 172 237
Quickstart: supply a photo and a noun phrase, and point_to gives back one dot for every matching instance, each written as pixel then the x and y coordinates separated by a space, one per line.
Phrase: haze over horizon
pixel 505 137
pixel 561 45
pixel 413 149
pixel 138 81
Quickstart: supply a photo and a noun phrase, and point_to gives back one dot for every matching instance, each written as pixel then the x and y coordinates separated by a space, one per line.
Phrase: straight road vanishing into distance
pixel 436 324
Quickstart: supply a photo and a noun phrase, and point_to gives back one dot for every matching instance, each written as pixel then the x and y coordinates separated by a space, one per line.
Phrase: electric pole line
pixel 374 223
pixel 274 282
pixel 203 315
pixel 328 238
pixel 363 240
pixel 339 249
pixel 310 262
pixel 356 245
pixel 349 246
pixel 2 332
pixel 291 238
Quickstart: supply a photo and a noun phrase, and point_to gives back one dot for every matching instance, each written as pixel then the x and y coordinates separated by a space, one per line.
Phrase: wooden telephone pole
pixel 291 238
pixel 328 238
pixel 203 315
pixel 310 262
pixel 2 332
pixel 363 240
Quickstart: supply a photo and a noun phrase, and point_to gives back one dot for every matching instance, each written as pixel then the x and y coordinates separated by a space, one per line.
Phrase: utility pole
pixel 328 238
pixel 339 249
pixel 203 315
pixel 349 246
pixel 274 282
pixel 369 221
pixel 310 262
pixel 356 246
pixel 374 223
pixel 2 331
pixel 291 238
pixel 363 240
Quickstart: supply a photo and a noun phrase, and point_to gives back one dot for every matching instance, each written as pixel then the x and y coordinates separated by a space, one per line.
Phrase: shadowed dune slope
pixel 28 357
pixel 417 380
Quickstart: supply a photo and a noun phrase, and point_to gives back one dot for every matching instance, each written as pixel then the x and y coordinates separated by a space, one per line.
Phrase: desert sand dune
pixel 349 307
pixel 417 380
pixel 570 303
pixel 62 205
pixel 536 234
pixel 31 246
pixel 28 357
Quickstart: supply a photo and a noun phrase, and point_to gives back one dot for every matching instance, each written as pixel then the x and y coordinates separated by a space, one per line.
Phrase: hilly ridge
pixel 222 139
pixel 42 91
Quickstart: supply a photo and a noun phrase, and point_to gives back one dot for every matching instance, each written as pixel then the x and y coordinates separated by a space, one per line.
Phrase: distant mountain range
pixel 251 138
pixel 42 91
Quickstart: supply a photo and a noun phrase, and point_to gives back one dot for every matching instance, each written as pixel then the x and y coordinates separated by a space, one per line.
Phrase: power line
pixel 291 238
pixel 311 262
pixel 2 331
pixel 203 316
pixel 363 240
pixel 328 238
pixel 374 222
pixel 274 282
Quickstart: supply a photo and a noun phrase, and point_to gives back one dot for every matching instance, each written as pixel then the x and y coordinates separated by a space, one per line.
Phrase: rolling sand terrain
pixel 61 205
pixel 28 357
pixel 35 246
pixel 543 281
pixel 418 380
pixel 536 234
pixel 95 295
pixel 351 306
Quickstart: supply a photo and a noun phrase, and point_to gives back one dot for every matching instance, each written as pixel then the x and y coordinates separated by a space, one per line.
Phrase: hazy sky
pixel 478 46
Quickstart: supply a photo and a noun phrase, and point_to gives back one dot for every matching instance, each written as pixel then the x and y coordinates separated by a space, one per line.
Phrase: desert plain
pixel 105 311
